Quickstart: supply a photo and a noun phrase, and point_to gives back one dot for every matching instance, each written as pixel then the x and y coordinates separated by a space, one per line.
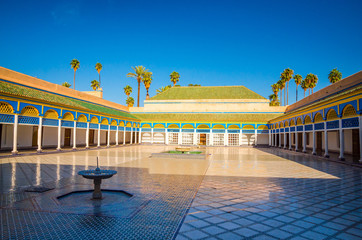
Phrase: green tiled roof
pixel 207 117
pixel 31 93
pixel 228 92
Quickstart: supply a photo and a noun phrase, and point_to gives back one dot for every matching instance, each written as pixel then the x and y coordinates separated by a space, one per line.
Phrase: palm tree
pixel 334 76
pixel 75 65
pixel 147 80
pixel 275 89
pixel 311 81
pixel 297 79
pixel 130 101
pixel 304 85
pixel 138 75
pixel 175 77
pixel 162 89
pixel 99 68
pixel 95 85
pixel 281 85
pixel 273 100
pixel 66 84
pixel 286 76
pixel 127 90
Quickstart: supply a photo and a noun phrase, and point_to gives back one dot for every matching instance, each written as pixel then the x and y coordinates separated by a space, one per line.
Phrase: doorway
pixel 300 141
pixel 319 143
pixel 202 139
pixel 355 144
pixel 91 136
pixel 67 135
pixel 34 141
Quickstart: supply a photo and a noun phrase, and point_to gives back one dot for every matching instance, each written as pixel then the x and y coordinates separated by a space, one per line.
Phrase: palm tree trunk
pixel 287 92
pixel 281 97
pixel 285 89
pixel 138 98
pixel 309 92
pixel 147 96
pixel 99 79
pixel 296 95
pixel 74 80
pixel 304 92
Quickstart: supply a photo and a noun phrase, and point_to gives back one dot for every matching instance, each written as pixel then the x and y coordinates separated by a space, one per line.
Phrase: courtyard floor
pixel 234 193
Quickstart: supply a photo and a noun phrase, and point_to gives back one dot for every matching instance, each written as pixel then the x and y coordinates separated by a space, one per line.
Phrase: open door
pixel 67 136
pixel 34 141
pixel 91 136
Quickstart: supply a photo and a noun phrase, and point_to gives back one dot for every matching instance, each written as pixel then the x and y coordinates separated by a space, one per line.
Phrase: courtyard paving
pixel 235 193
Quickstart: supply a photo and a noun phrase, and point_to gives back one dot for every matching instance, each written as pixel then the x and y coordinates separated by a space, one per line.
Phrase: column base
pixel 326 155
pixel 59 149
pixel 74 149
pixel 14 152
pixel 360 161
pixel 87 147
pixel 341 158
pixel 297 150
pixel 108 146
pixel 99 146
pixel 39 150
pixel 314 153
pixel 304 151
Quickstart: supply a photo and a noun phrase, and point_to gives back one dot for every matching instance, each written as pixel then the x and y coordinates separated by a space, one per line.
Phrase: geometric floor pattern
pixel 279 208
pixel 236 193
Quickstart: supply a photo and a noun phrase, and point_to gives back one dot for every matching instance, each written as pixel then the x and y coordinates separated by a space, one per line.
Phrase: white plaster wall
pixel 25 135
pixel 113 137
pixel 120 137
pixel 103 136
pixel 50 136
pixel 348 141
pixel 333 139
pixel 81 134
pixel 263 139
pixel 7 136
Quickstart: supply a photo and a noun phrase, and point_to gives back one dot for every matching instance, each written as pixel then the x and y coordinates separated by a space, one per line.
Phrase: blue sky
pixel 211 43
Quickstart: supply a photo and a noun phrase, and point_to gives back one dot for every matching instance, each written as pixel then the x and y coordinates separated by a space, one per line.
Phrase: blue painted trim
pixel 23 105
pixel 187 130
pixel 13 104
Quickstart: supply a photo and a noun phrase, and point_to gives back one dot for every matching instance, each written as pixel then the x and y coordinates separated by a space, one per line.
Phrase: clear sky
pixel 211 43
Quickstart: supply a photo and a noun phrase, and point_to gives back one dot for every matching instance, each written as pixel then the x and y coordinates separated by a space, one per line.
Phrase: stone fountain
pixel 97 175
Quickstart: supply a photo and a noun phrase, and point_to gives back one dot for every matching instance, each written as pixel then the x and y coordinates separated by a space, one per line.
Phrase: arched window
pixel 104 121
pixel 6 108
pixel 299 121
pixel 68 116
pixel 349 111
pixel 94 120
pixel 82 118
pixel 307 120
pixel 318 118
pixel 30 111
pixel 332 115
pixel 292 123
pixel 52 114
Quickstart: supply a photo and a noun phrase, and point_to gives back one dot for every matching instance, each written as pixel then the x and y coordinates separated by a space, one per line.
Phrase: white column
pixel 241 137
pixel 59 134
pixel 124 136
pixel 117 136
pixel 75 135
pixel 314 142
pixel 40 129
pixel 325 141
pixel 140 135
pixel 285 139
pixel 256 137
pixel 131 138
pixel 280 138
pixel 166 136
pixel 87 137
pixel 269 138
pixel 179 137
pixel 304 140
pixel 211 138
pixel 296 139
pixel 360 137
pixel 341 141
pixel 109 136
pixel 194 138
pixel 15 137
pixel 226 138
pixel 99 135
pixel 151 135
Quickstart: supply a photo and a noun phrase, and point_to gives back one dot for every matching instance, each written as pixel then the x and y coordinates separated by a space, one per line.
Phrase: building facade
pixel 37 114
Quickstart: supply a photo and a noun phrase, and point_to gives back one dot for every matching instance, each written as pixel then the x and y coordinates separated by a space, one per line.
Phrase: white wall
pixel 81 134
pixel 7 136
pixel 263 139
pixel 50 136
pixel 25 136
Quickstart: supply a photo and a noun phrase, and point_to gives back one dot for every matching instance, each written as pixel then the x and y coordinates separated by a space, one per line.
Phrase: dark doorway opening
pixel 202 139
pixel 355 145
pixel 67 135
pixel 91 136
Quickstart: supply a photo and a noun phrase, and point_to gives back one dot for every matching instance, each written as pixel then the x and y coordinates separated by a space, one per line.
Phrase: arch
pixel 30 111
pixel 299 121
pixel 105 121
pixel 52 114
pixel 6 108
pixel 173 126
pixel 263 127
pixel 203 126
pixel 146 125
pixel 218 126
pixel 121 123
pixel 114 122
pixel 277 125
pixel 307 120
pixel 248 127
pixel 332 115
pixel 286 124
pixel 138 125
pixel 94 120
pixel 159 125
pixel 349 111
pixel 318 118
pixel 281 124
pixel 68 116
pixel 82 118
pixel 292 122
pixel 129 124
pixel 134 124
pixel 187 126
pixel 233 126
